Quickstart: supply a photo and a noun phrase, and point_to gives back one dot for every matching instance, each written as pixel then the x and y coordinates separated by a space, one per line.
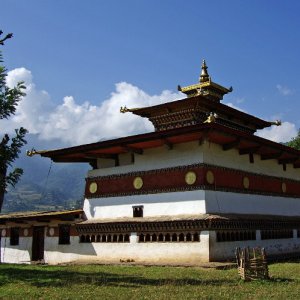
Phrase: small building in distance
pixel 192 191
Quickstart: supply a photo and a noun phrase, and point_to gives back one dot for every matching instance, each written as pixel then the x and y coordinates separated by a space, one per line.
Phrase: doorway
pixel 38 236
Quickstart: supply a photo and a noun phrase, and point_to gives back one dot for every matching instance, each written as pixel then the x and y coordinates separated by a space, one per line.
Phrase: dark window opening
pixel 276 234
pixel 188 237
pixel 138 211
pixel 126 238
pixel 196 237
pixel 141 238
pixel 161 237
pixel 223 236
pixel 154 238
pixel 167 237
pixel 115 238
pixel 14 236
pixel 64 234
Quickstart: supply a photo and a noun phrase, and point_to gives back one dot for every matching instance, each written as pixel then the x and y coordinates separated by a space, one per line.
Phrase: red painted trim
pixel 173 179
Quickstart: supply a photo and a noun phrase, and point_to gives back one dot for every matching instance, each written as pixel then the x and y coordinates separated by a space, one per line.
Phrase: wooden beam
pixel 204 137
pixel 168 144
pixel 231 145
pixel 100 155
pixel 72 159
pixel 249 150
pixel 287 160
pixel 270 155
pixel 133 150
pixel 251 158
pixel 93 164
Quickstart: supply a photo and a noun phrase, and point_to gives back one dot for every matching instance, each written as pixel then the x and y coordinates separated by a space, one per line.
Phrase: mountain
pixel 46 185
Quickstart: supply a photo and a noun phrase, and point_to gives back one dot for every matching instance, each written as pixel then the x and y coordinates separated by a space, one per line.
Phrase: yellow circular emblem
pixel 210 178
pixel 246 182
pixel 93 187
pixel 138 183
pixel 283 187
pixel 190 177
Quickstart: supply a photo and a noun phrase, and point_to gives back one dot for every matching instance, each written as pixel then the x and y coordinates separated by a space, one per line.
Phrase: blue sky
pixel 72 54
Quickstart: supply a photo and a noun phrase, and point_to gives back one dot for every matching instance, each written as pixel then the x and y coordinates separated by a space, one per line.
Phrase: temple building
pixel 198 186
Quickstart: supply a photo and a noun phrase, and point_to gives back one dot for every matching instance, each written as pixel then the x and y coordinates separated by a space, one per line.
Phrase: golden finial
pixel 204 77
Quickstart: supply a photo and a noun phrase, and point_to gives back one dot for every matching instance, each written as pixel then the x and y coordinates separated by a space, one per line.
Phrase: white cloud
pixel 283 133
pixel 283 90
pixel 75 123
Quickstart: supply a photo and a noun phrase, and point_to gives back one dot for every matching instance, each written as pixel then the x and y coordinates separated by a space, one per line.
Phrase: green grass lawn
pixel 138 282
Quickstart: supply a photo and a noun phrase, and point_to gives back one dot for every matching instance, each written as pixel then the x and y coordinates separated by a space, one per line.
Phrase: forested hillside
pixel 45 185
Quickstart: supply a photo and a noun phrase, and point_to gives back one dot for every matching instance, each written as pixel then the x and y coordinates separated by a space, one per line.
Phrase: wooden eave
pixel 44 216
pixel 226 137
pixel 201 101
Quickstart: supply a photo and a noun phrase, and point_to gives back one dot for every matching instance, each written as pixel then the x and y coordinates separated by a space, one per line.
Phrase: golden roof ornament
pixel 211 118
pixel 204 77
pixel 124 109
pixel 206 87
pixel 33 152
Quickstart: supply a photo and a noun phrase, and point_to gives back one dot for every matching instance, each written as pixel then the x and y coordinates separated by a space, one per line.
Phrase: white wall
pixel 157 158
pixel 192 153
pixel 238 203
pixel 16 254
pixel 215 155
pixel 176 203
pixel 193 202
pixel 167 252
pixel 156 252
pixel 222 251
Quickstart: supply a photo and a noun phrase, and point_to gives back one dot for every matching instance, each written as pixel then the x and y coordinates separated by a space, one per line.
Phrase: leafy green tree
pixel 10 147
pixel 295 142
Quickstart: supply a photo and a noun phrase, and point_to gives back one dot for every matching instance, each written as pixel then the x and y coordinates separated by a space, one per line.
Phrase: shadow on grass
pixel 57 278
pixel 281 280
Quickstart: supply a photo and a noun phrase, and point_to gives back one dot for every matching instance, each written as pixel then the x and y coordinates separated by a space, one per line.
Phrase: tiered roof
pixel 202 105
pixel 198 117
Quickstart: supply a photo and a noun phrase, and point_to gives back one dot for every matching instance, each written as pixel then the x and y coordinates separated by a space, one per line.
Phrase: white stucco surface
pixel 19 254
pixel 238 203
pixel 157 158
pixel 164 204
pixel 222 251
pixel 146 252
pixel 214 154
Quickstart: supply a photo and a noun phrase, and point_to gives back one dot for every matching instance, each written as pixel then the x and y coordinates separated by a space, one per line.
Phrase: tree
pixel 295 142
pixel 9 147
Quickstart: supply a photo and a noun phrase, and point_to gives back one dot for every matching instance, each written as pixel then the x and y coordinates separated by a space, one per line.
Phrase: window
pixel 138 211
pixel 64 234
pixel 14 236
pixel 276 234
